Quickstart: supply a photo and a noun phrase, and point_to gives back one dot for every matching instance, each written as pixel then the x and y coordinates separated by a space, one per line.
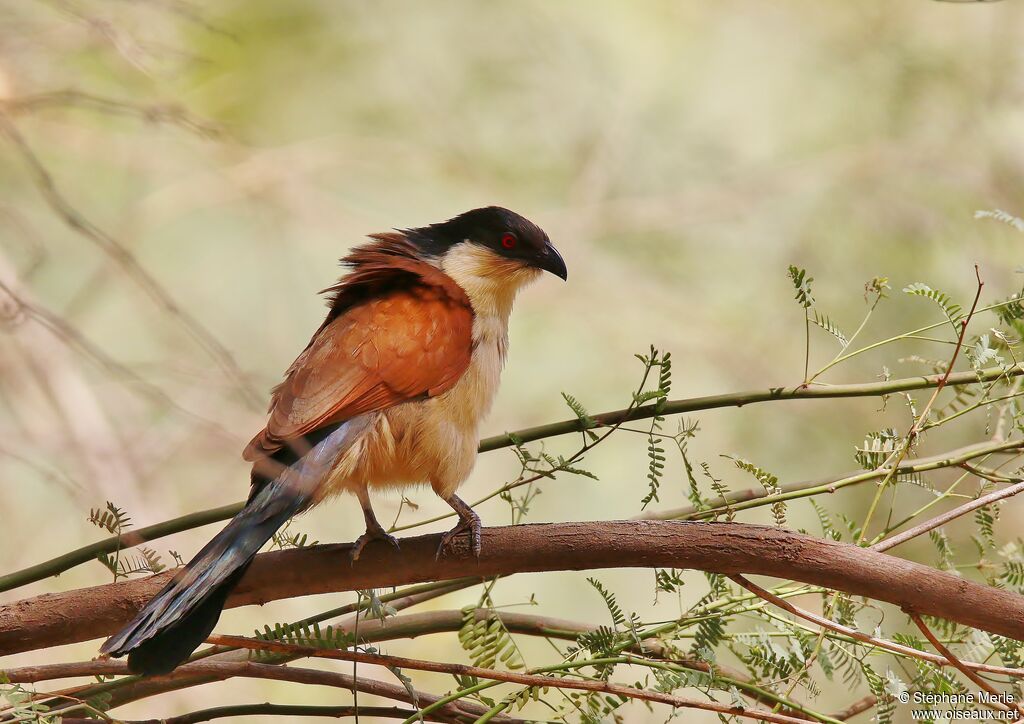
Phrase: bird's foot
pixel 469 522
pixel 370 535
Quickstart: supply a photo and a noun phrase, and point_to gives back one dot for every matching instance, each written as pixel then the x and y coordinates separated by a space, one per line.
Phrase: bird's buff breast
pixel 427 441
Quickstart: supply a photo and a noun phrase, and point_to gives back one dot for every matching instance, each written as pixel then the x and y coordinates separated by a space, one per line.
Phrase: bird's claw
pixel 468 524
pixel 369 536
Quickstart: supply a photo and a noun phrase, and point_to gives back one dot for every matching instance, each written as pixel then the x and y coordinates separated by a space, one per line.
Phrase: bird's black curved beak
pixel 550 260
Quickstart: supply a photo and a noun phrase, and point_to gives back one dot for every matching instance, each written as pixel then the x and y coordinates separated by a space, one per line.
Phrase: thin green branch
pixel 948 516
pixel 740 399
pixel 753 498
pixel 922 419
pixel 906 335
pixel 88 553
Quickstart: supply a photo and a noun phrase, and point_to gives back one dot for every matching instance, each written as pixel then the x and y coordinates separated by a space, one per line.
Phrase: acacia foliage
pixel 704 636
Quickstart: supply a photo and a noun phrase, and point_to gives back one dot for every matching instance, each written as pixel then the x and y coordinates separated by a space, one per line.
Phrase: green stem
pixel 491 713
pixel 807 345
pixel 983 402
pixel 905 335
pixel 740 399
pixel 88 553
pixel 744 500
pixel 454 696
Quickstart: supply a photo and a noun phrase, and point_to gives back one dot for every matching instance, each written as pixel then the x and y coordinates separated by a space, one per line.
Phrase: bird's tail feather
pixel 177 620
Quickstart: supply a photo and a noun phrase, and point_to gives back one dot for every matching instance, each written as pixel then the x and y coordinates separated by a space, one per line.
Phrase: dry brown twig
pixel 211 670
pixel 70 335
pixel 133 690
pixel 858 707
pixel 160 113
pixel 964 668
pixel 126 260
pixel 372 631
pixel 948 516
pixel 865 638
pixel 280 710
pixel 512 677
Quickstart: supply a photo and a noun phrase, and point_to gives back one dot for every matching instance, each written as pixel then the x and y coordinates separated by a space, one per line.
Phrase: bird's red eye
pixel 508 241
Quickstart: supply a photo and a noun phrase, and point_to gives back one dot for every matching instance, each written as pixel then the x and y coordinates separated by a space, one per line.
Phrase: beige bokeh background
pixel 679 155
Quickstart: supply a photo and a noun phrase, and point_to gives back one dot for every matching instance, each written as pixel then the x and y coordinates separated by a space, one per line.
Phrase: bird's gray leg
pixel 469 522
pixel 374 530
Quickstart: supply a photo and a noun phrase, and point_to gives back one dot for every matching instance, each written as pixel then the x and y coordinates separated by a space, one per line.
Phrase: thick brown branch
pixel 729 548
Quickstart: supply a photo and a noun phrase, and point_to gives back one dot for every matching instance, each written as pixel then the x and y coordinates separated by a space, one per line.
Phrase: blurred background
pixel 680 156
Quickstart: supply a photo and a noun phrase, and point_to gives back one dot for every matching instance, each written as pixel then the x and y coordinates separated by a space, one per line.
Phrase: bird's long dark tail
pixel 173 624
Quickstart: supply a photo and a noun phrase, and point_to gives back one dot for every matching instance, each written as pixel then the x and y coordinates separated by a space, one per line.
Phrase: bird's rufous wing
pixel 402 345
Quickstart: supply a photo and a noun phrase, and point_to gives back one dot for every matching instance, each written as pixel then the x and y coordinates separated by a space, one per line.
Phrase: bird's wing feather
pixel 394 342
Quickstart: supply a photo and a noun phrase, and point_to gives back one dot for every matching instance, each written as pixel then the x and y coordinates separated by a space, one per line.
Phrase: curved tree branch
pixel 88 553
pixel 729 548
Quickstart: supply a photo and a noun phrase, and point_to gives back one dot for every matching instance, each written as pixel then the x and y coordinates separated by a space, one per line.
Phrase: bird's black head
pixel 503 232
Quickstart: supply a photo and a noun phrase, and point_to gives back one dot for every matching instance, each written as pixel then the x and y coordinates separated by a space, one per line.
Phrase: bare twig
pixel 858 707
pixel 948 516
pixel 512 677
pixel 70 335
pixel 923 417
pixel 921 420
pixel 871 640
pixel 755 497
pixel 277 710
pixel 155 113
pixel 964 668
pixel 125 260
pixel 772 394
pixel 220 670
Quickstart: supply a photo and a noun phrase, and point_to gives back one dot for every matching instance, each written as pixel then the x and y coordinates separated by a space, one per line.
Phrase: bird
pixel 390 392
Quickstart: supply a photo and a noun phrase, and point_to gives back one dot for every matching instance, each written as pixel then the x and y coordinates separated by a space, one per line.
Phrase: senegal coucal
pixel 390 392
